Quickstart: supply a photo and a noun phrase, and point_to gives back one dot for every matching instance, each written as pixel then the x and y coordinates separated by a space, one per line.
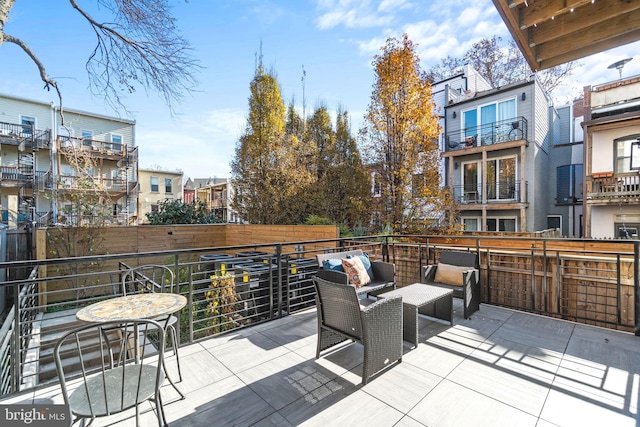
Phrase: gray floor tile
pixel 341 408
pixel 402 386
pixel 452 405
pixel 248 352
pixel 568 408
pixel 285 379
pixel 510 386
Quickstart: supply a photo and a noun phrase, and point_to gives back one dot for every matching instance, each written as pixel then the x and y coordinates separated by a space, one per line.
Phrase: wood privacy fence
pixel 77 276
pixel 587 281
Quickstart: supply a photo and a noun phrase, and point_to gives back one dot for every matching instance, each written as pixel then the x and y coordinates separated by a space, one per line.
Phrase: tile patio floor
pixel 499 368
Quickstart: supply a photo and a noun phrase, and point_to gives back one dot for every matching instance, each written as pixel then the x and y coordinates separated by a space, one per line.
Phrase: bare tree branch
pixel 48 82
pixel 140 49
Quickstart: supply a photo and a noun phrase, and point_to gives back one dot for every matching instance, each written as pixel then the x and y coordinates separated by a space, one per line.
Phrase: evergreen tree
pixel 267 170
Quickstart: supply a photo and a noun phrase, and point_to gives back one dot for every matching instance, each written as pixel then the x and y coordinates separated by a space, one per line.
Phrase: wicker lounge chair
pixel 458 271
pixel 378 327
pixel 384 273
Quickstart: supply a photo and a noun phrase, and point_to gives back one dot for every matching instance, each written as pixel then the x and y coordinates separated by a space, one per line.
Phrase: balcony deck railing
pixel 504 192
pixel 587 281
pixel 610 186
pixel 487 134
pixel 92 145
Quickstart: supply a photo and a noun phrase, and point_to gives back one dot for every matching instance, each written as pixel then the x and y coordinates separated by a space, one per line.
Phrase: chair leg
pixel 173 336
pixel 162 417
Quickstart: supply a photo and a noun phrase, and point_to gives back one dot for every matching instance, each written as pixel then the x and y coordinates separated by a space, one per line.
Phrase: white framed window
pixel 116 142
pixel 490 122
pixel 554 222
pixel 29 125
pixel 154 184
pixel 625 149
pixel 501 224
pixel 167 185
pixel 87 137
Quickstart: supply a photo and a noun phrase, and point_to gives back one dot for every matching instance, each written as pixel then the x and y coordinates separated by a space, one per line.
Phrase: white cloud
pixel 357 13
pixel 202 145
pixel 391 5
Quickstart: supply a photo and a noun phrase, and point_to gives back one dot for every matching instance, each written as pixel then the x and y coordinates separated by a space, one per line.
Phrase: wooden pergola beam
pixel 546 10
pixel 600 32
pixel 580 20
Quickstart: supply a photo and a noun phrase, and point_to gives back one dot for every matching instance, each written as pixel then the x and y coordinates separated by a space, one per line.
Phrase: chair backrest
pixel 148 278
pixel 337 255
pixel 462 259
pixel 339 307
pixel 113 365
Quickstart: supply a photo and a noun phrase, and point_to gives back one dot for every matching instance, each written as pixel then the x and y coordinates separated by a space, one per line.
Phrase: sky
pixel 333 41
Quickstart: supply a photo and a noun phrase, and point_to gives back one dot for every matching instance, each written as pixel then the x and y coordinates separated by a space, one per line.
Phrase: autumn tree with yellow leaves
pixel 399 138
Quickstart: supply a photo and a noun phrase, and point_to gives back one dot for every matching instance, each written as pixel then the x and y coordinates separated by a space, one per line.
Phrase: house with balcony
pixel 39 160
pixel 566 172
pixel 156 186
pixel 496 157
pixel 612 159
pixel 217 195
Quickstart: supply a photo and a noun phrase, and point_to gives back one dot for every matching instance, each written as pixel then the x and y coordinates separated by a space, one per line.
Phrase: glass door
pixel 471 182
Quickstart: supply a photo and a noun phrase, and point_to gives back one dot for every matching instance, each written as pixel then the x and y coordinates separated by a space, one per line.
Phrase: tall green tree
pixel 266 169
pixel 400 138
pixel 348 192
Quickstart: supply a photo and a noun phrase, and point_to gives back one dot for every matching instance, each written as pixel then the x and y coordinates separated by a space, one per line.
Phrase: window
pixel 87 136
pixel 501 179
pixel 154 184
pixel 116 140
pixel 155 208
pixel 28 125
pixel 569 184
pixel 501 224
pixel 495 121
pixel 471 182
pixel 554 222
pixel 626 147
pixel 167 185
pixel 471 224
pixel 627 230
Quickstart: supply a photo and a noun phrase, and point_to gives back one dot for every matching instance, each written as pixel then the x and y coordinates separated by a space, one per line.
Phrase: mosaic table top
pixel 139 306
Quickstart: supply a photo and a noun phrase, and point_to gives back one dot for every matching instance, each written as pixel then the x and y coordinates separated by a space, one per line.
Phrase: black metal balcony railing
pixel 503 192
pixel 234 287
pixel 487 134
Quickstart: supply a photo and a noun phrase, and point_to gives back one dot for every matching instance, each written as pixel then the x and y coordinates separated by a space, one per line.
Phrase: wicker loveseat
pixel 378 326
pixel 383 273
pixel 458 271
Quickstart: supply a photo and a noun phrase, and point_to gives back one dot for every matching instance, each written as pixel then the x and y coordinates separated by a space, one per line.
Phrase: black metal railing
pixel 505 191
pixel 235 287
pixel 488 134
